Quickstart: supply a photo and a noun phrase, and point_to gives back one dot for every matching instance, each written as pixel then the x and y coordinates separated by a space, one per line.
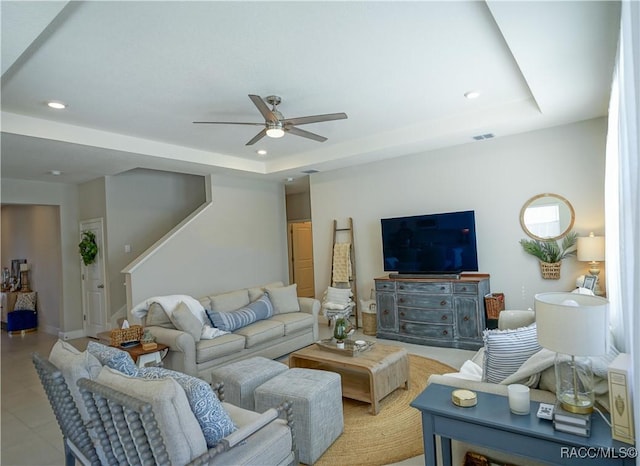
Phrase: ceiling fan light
pixel 275 132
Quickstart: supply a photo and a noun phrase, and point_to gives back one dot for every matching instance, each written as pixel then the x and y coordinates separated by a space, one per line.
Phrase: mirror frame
pixel 559 198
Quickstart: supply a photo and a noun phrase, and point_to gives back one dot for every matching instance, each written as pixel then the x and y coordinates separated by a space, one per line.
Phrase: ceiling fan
pixel 275 125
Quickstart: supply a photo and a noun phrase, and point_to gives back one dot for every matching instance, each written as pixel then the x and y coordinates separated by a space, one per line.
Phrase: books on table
pixel 572 423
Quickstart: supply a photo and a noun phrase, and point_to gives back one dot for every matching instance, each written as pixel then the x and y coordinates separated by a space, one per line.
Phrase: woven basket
pixel 126 335
pixel 369 325
pixel 493 304
pixel 550 271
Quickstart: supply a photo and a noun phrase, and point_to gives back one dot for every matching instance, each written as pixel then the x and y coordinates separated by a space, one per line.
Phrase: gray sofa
pixel 282 333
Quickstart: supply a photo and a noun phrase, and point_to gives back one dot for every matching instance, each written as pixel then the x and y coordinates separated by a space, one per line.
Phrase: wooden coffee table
pixel 369 376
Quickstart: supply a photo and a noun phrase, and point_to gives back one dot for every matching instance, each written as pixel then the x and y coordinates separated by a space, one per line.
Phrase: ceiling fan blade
pixel 226 123
pixel 304 134
pixel 257 137
pixel 263 108
pixel 315 118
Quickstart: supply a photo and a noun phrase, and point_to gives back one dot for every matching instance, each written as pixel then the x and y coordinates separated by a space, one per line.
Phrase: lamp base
pixel 581 405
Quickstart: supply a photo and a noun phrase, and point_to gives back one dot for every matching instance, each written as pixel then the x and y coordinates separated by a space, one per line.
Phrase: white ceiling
pixel 135 75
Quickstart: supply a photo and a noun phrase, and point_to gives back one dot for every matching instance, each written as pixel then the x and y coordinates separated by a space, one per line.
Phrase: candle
pixel 518 398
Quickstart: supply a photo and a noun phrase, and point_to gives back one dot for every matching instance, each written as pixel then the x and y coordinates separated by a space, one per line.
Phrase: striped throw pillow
pixel 507 350
pixel 232 320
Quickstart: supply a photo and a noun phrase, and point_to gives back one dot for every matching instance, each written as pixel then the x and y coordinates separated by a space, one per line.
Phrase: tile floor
pixel 29 431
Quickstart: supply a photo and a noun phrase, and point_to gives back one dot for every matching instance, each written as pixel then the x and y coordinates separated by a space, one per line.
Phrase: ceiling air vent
pixel 482 137
pixel 309 172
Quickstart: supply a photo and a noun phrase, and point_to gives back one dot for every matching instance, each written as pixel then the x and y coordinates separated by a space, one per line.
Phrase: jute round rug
pixel 395 434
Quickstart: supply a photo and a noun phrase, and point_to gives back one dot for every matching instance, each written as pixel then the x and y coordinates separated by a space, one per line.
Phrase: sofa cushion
pixel 113 357
pixel 209 350
pixel 232 320
pixel 257 291
pixel 182 435
pixel 184 320
pixel 212 417
pixel 507 350
pixel 261 331
pixel 74 365
pixel 156 316
pixel 294 321
pixel 229 301
pixel 284 298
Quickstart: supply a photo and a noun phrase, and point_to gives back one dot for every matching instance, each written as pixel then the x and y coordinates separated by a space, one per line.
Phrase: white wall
pixel 493 177
pixel 238 240
pixel 66 198
pixel 141 207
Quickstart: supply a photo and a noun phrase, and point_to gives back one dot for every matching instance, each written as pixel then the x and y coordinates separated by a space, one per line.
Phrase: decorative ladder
pixel 352 253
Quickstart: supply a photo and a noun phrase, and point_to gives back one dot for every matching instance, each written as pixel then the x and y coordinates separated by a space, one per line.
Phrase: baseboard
pixel 71 335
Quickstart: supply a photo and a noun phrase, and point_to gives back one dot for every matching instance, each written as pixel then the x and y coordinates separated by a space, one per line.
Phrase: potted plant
pixel 340 332
pixel 88 247
pixel 550 253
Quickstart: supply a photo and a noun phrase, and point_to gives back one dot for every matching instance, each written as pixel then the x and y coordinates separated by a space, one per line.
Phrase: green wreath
pixel 88 247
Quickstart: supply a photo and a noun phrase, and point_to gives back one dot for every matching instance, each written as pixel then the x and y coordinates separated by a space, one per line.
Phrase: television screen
pixel 430 244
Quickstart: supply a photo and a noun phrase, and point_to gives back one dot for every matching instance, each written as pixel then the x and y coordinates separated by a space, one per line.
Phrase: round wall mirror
pixel 547 217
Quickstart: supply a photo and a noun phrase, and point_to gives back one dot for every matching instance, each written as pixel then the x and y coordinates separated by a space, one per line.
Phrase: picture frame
pixel 590 282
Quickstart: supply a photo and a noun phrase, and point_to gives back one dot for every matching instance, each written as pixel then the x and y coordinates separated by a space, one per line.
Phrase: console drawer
pixel 424 287
pixel 427 316
pixel 385 286
pixel 441 332
pixel 470 288
pixel 426 301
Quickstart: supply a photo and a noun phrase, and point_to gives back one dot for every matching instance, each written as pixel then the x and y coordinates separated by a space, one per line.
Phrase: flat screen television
pixel 430 244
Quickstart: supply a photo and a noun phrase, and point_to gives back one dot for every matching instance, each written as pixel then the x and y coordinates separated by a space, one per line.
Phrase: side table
pixel 144 358
pixel 491 424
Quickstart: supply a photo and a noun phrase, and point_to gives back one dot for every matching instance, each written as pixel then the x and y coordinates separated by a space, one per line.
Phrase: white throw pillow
pixel 284 298
pixel 338 295
pixel 184 320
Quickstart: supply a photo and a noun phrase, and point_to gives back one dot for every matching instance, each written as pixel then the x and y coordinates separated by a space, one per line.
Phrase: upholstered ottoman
pixel 316 398
pixel 241 378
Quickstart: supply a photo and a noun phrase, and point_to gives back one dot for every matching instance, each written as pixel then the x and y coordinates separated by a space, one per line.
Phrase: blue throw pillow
pixel 114 358
pixel 211 415
pixel 260 309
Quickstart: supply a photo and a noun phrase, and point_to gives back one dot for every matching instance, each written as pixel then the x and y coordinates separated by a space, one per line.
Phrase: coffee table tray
pixel 350 347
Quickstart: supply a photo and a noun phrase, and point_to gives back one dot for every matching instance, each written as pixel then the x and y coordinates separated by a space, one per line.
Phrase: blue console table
pixel 491 424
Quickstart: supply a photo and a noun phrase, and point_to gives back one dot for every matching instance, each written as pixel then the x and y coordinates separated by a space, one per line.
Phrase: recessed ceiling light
pixel 57 105
pixel 261 152
pixel 55 172
pixel 289 179
pixel 472 94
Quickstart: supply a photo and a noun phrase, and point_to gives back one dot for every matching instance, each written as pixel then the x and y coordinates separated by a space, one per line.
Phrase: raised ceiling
pixel 135 75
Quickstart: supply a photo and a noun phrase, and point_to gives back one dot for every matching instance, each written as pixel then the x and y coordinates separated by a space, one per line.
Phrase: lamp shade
pixel 591 248
pixel 24 267
pixel 571 323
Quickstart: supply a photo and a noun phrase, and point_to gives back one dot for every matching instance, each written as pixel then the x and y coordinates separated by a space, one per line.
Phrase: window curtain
pixel 622 196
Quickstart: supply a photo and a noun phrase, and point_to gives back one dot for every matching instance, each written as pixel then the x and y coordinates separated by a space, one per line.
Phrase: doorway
pixel 301 258
pixel 94 293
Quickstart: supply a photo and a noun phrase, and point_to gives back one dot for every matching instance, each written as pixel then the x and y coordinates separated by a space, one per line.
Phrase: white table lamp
pixel 591 249
pixel 574 326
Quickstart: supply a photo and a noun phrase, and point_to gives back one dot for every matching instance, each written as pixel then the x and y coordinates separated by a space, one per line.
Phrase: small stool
pixel 316 398
pixel 241 378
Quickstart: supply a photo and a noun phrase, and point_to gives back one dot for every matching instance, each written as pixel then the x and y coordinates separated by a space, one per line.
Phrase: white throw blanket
pixel 170 302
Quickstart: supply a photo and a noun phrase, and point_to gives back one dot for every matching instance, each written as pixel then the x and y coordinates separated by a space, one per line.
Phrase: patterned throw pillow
pixel 113 358
pixel 25 302
pixel 507 350
pixel 230 321
pixel 211 415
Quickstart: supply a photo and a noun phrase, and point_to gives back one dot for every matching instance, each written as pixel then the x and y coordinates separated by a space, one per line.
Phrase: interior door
pixel 302 258
pixel 94 293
